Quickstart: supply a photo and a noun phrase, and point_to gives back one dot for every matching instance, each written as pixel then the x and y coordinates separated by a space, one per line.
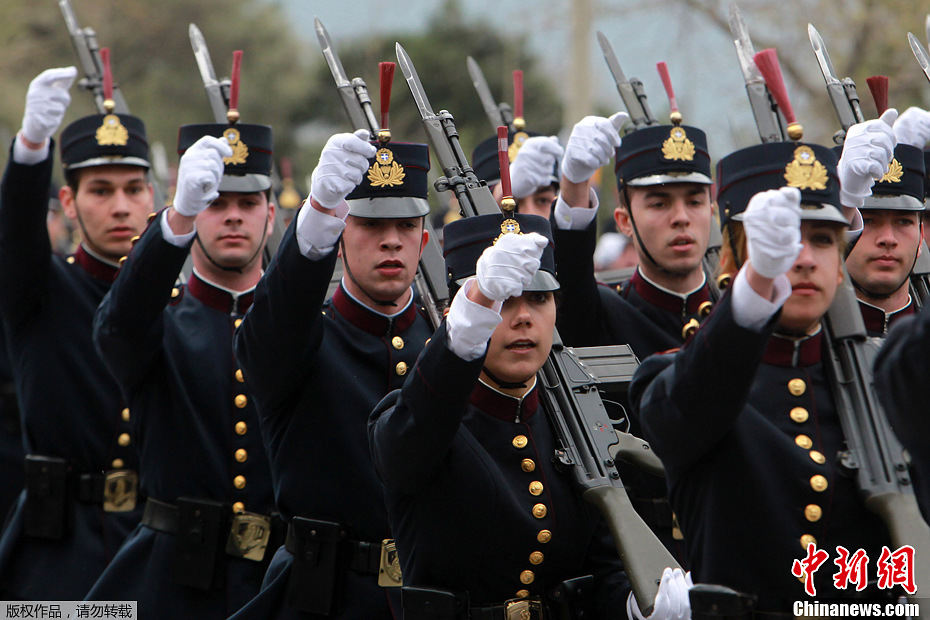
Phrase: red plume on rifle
pixel 519 121
pixel 675 115
pixel 507 202
pixel 767 62
pixel 386 74
pixel 878 84
pixel 233 114
pixel 108 102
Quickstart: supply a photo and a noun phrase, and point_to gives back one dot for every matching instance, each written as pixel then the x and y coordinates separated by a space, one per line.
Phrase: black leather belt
pixel 364 557
pixel 160 516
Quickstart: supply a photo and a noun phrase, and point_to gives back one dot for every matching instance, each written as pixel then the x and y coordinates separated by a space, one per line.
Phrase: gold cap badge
pixel 678 147
pixel 518 139
pixel 112 132
pixel 385 172
pixel 894 174
pixel 805 172
pixel 240 149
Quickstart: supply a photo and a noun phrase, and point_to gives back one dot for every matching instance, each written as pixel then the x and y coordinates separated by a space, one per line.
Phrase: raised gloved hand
pixel 46 102
pixel 672 601
pixel 199 174
pixel 508 266
pixel 534 164
pixel 867 151
pixel 343 163
pixel 591 145
pixel 913 127
pixel 772 222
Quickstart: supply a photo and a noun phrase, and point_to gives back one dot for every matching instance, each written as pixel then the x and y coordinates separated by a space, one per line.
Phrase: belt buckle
pixel 676 529
pixel 389 575
pixel 248 536
pixel 523 609
pixel 120 490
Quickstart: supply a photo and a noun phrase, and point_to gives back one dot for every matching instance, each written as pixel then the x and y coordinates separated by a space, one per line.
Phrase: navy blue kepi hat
pixel 104 139
pixel 809 167
pixel 249 168
pixel 395 184
pixel 486 164
pixel 902 187
pixel 664 154
pixel 465 240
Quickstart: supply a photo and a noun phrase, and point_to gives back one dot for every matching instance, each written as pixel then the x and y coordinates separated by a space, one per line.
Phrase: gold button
pixel 238 507
pixel 123 439
pixel 813 512
pixel 239 376
pixel 819 483
pixel 125 414
pixel 134 240
pixel 799 414
pixel 427 341
pixel 397 342
pixel 544 536
pixel 536 557
pixel 151 217
pixel 241 400
pixel 705 308
pixel 122 259
pixel 523 593
pixel 536 487
pixel 70 260
pixel 806 540
pixel 528 465
pixel 175 292
pixel 688 330
pixel 118 464
pixel 797 387
pixel 804 441
pixel 237 322
pixel 527 577
pixel 239 482
pixel 241 428
pixel 539 511
pixel 520 441
pixel 817 457
pixel 241 455
pixel 401 368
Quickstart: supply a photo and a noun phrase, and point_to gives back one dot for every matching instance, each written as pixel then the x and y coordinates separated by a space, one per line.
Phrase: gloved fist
pixel 672 600
pixel 591 145
pixel 913 127
pixel 867 151
pixel 46 102
pixel 772 222
pixel 534 164
pixel 508 266
pixel 199 174
pixel 343 164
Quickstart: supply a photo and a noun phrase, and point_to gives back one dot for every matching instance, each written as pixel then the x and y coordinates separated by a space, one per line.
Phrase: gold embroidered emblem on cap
pixel 678 147
pixel 386 172
pixel 112 132
pixel 518 139
pixel 804 171
pixel 240 149
pixel 894 174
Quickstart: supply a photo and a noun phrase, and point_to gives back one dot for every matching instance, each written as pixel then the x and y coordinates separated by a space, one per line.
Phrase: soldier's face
pixel 539 203
pixel 885 252
pixel 814 277
pixel 521 342
pixel 233 229
pixel 382 254
pixel 110 207
pixel 674 222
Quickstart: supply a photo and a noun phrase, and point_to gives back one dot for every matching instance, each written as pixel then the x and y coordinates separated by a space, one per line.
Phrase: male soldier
pixel 317 370
pixel 534 172
pixel 200 548
pixel 79 501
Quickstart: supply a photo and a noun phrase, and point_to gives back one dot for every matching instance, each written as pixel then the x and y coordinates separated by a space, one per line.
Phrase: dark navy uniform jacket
pixel 878 322
pixel 171 350
pixel 317 370
pixel 11 437
pixel 70 406
pixel 474 497
pixel 746 427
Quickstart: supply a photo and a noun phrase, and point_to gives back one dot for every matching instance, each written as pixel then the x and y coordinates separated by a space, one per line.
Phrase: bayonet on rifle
pixel 631 91
pixel 842 93
pixel 498 113
pixel 920 53
pixel 217 91
pixel 351 92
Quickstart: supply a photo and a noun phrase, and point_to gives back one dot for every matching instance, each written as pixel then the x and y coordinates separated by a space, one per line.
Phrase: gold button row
pixel 241 400
pixel 797 387
pixel 241 455
pixel 239 376
pixel 239 482
pixel 799 414
pixel 401 369
pixel 520 441
pixel 241 428
pixel 528 465
pixel 397 342
pixel 125 414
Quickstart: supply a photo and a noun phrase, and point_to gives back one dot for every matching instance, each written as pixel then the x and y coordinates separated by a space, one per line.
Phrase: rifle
pixel 588 443
pixel 498 113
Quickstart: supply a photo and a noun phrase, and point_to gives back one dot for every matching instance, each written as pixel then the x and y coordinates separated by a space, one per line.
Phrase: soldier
pixel 318 369
pixel 460 444
pixel 199 550
pixel 79 501
pixel 534 175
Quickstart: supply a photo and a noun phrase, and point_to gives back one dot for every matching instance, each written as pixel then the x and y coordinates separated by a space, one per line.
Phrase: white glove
pixel 199 174
pixel 46 102
pixel 343 164
pixel 867 151
pixel 508 266
pixel 672 600
pixel 772 222
pixel 591 145
pixel 913 127
pixel 534 164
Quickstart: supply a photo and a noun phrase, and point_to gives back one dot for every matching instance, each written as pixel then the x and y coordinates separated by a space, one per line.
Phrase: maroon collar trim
pixel 791 352
pixel 370 321
pixel 94 266
pixel 878 321
pixel 669 301
pixel 503 407
pixel 219 299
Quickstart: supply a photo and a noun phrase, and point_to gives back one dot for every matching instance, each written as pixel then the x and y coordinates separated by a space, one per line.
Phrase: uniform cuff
pixel 26 156
pixel 576 218
pixel 317 233
pixel 752 311
pixel 172 237
pixel 469 325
